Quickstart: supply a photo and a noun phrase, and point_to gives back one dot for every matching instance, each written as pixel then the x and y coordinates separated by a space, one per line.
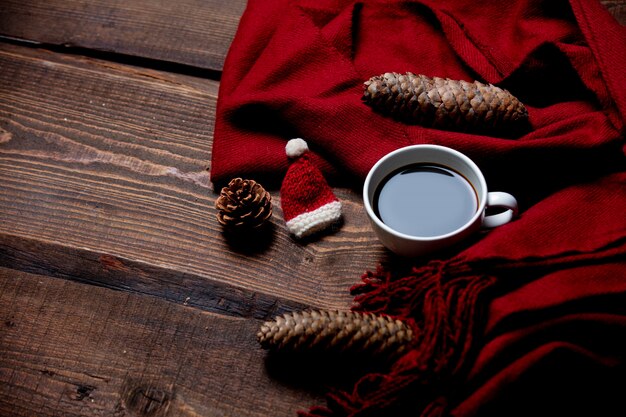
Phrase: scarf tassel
pixel 440 301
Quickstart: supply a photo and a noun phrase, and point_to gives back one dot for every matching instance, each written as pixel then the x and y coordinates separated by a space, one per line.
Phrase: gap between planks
pixel 78 350
pixel 92 174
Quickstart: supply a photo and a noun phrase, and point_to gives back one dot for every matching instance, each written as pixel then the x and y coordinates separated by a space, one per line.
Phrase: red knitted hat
pixel 307 200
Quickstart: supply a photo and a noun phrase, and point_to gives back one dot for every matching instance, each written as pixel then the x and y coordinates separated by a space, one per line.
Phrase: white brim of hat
pixel 306 224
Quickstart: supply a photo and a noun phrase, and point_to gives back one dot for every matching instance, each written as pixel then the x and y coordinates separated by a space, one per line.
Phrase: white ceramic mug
pixel 412 246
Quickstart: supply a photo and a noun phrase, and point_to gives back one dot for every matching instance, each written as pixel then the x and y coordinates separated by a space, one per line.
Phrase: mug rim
pixel 479 211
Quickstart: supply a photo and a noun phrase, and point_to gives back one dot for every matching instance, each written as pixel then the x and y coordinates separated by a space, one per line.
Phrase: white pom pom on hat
pixel 309 204
pixel 296 147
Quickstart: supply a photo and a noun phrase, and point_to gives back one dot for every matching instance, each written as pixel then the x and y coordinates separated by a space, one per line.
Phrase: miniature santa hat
pixel 308 202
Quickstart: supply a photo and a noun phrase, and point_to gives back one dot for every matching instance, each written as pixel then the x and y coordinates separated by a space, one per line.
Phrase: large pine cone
pixel 243 204
pixel 338 331
pixel 444 103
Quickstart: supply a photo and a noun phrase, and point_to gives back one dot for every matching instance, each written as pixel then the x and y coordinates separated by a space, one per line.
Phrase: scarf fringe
pixel 439 300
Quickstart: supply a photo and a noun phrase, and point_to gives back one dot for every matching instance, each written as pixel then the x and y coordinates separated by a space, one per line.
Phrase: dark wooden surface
pixel 190 32
pixel 72 349
pixel 119 294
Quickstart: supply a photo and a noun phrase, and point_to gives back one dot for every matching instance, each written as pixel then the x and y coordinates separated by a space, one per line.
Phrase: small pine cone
pixel 337 331
pixel 444 103
pixel 243 204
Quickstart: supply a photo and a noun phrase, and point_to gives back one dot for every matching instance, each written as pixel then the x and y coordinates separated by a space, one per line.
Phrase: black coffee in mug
pixel 425 200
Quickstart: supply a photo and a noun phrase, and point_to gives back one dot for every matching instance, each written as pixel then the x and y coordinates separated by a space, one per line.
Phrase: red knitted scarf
pixel 539 294
pixel 529 319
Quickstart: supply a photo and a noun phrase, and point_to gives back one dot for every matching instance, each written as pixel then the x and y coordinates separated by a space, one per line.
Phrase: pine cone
pixel 339 331
pixel 243 204
pixel 444 103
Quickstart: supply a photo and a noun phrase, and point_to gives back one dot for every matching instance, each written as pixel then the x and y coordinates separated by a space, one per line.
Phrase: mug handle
pixel 503 200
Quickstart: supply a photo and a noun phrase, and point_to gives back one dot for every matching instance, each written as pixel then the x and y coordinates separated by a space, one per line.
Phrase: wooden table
pixel 119 294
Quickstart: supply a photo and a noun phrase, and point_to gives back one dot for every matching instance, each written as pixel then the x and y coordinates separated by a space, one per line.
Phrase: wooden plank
pixel 139 277
pixel 103 169
pixel 191 32
pixel 69 349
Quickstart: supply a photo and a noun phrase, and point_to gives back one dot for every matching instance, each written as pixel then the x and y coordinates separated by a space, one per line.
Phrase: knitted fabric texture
pixel 314 221
pixel 297 68
pixel 526 319
pixel 554 316
pixel 309 204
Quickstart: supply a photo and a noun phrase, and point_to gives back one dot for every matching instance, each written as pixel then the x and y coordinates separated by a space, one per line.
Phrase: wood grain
pixel 120 295
pixel 107 162
pixel 121 274
pixel 617 8
pixel 69 349
pixel 191 32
